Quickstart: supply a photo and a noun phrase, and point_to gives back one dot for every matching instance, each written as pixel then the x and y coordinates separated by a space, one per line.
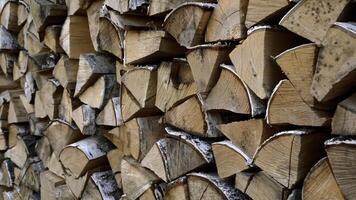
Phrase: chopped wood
pixel 111 113
pixel 65 72
pixel 344 117
pixel 84 118
pixel 177 190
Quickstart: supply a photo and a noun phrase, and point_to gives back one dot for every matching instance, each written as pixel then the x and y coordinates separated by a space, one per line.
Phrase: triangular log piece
pixel 66 72
pixel 109 38
pixel 305 20
pixel 286 156
pixel 84 155
pixel 77 7
pixel 63 192
pixel 3 136
pixel 44 150
pixel 17 111
pixel 115 157
pixel 343 122
pixel 341 154
pixel 49 182
pixel 203 186
pixel 175 83
pixel 133 7
pixel 55 166
pixel 162 7
pixel 93 13
pixel 167 158
pixel 286 107
pixel 7 173
pixel 17 130
pixel 227 21
pixel 84 118
pixel 154 45
pixel 30 174
pixel 77 185
pixel 51 95
pixel 189 29
pixel 229 159
pixel 66 106
pixel 255 67
pixel 51 38
pixel 22 13
pixel 8 41
pixel 7 62
pixel 232 95
pixel 40 112
pixel 177 190
pixel 23 149
pixel 204 61
pixel 335 74
pixel 320 183
pixel 9 16
pixel 111 113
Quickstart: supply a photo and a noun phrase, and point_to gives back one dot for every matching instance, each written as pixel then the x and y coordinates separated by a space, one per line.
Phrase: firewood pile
pixel 177 99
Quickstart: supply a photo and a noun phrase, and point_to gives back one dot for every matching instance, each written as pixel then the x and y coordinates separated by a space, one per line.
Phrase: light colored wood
pixel 22 13
pixel 19 153
pixel 9 16
pixel 8 40
pixel 188 29
pixel 111 113
pixel 286 107
pixel 77 7
pixel 40 112
pixel 110 38
pixel 84 118
pixel 115 157
pixel 320 183
pixel 65 109
pixel 44 150
pixel 335 74
pixel 65 72
pixel 312 18
pixel 17 111
pixel 51 94
pixel 49 182
pixel 93 13
pixel 51 38
pixel 55 166
pixel 344 117
pixel 134 7
pixel 77 185
pixel 8 177
pixel 177 190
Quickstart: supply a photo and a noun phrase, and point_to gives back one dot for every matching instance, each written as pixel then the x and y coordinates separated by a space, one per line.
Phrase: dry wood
pixel 285 155
pixel 50 181
pixel 22 13
pixel 77 7
pixel 40 112
pixel 7 62
pixel 84 118
pixel 21 151
pixel 335 74
pixel 189 29
pixel 134 7
pixel 177 190
pixel 44 150
pixel 17 111
pixel 51 38
pixel 286 107
pixel 30 174
pixel 110 38
pixel 55 166
pixel 344 117
pixel 111 113
pixel 16 130
pixel 66 72
pixel 9 16
pixel 51 94
pixel 8 41
pixel 7 173
pixel 3 136
pixel 115 157
pixel 77 185
pixel 320 183
pixel 93 13
pixel 341 156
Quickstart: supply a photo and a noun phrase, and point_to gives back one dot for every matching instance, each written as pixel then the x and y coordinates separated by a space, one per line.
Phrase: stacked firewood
pixel 177 100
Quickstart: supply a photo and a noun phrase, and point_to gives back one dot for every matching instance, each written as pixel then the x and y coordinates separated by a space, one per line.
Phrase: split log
pixel 177 190
pixel 22 13
pixel 111 113
pixel 77 185
pixel 162 7
pixel 335 74
pixel 17 111
pixel 208 186
pixel 63 192
pixel 55 166
pixel 77 7
pixel 286 107
pixel 136 179
pixel 9 16
pixel 311 19
pixel 44 150
pixel 227 21
pixel 134 7
pixel 344 117
pixel 341 155
pixel 91 67
pixel 190 116
pixel 49 182
pixel 229 159
pixel 189 30
pixel 320 183
pixel 204 61
pixel 84 118
pixel 7 173
pixel 17 130
pixel 115 157
pixel 75 38
pixel 8 41
pixel 3 136
pixel 84 155
pixel 50 95
pixel 175 83
pixel 7 62
pixel 260 186
pixel 291 148
pixel 40 112
pixel 66 106
pixel 51 38
pixel 23 149
pixel 232 95
pixel 166 157
pixel 154 45
pixel 109 38
pixel 65 72
pixel 256 68
pixel 30 175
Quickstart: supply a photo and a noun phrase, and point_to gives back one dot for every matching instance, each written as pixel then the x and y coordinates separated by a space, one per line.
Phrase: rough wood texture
pixel 344 117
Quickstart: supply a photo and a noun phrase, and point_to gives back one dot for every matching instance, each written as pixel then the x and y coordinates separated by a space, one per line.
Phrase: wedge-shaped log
pixel 232 95
pixel 8 175
pixel 204 61
pixel 227 22
pixel 115 157
pixel 306 19
pixel 341 155
pixel 9 16
pixel 190 117
pixel 175 83
pixel 7 62
pixel 136 179
pixel 335 74
pixel 205 186
pixel 320 183
pixel 110 38
pixel 8 41
pixel 93 13
pixel 256 68
pixel 30 174
pixel 260 186
pixel 23 149
pixel 162 7
pixel 49 182
pixel 17 111
pixel 44 150
pixel 134 7
pixel 189 29
pixel 77 7
pixel 292 150
pixel 65 72
pixel 84 155
pixel 84 118
pixel 165 158
pixel 75 37
pixel 51 38
pixel 177 190
pixel 229 159
pixel 154 45
pixel 111 113
pixel 65 109
pixel 51 95
pixel 91 67
pixel 344 117
pixel 286 107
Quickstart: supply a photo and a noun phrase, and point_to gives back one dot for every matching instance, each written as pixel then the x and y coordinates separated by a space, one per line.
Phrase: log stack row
pixel 177 100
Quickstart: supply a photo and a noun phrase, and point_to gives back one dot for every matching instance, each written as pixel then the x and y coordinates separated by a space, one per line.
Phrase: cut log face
pixel 157 46
pixel 189 116
pixel 7 173
pixel 111 113
pixel 229 159
pixel 335 74
pixel 344 118
pixel 66 107
pixel 17 111
pixel 66 72
pixel 19 153
pixel 75 37
pixel 8 40
pixel 93 13
pixel 84 118
pixel 51 38
pixel 187 23
pixel 286 107
pixel 208 186
pixel 260 186
pixel 227 22
pixel 87 154
pixel 44 150
pixel 9 16
pixel 49 182
pixel 175 84
pixel 341 155
pixel 292 150
pixel 136 179
pixel 320 183
pixel 231 94
pixel 305 19
pixel 255 67
pixel 162 7
pixel 109 38
pixel 51 94
pixel 115 157
pixel 204 62
pixel 77 7
pixel 165 157
pixel 177 190
pixel 77 185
